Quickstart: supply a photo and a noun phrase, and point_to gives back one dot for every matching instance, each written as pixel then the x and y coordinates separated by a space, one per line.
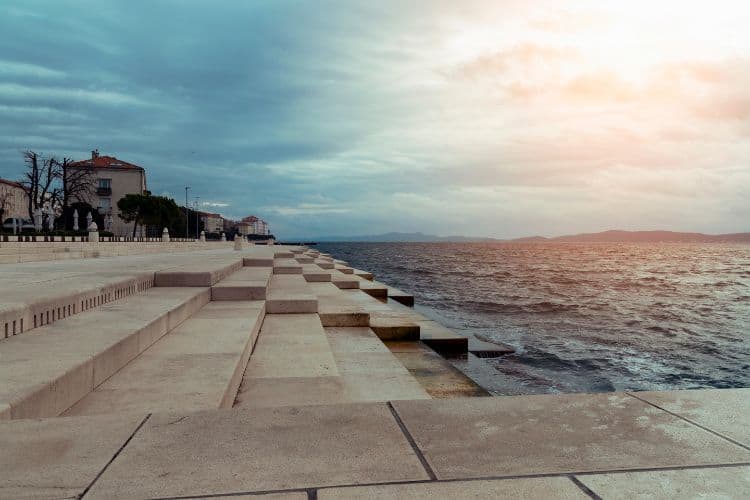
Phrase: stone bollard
pixel 203 236
pixel 238 241
pixel 223 237
pixel 165 235
pixel 93 233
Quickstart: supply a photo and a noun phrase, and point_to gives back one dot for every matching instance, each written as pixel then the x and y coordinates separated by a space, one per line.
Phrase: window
pixel 105 203
pixel 104 183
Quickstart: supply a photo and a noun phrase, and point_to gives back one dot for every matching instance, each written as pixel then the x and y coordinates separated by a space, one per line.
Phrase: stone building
pixel 212 223
pixel 112 179
pixel 13 200
pixel 254 225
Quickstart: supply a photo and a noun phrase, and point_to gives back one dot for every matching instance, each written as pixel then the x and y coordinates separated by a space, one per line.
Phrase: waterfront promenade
pixel 187 370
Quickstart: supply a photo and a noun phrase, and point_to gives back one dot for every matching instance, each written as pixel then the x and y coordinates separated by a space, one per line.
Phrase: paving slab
pixel 560 488
pixel 197 366
pixel 290 391
pixel 725 411
pixel 294 495
pixel 715 482
pixel 516 435
pixel 260 450
pixel 60 457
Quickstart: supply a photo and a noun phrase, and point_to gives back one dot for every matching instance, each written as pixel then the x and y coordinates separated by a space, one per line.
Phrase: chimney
pixel 94 154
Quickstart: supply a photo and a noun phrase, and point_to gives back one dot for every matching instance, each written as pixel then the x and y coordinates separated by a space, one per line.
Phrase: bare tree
pixel 76 181
pixel 39 181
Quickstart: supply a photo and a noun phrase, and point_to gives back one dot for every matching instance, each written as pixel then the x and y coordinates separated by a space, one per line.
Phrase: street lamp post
pixel 186 212
pixel 197 217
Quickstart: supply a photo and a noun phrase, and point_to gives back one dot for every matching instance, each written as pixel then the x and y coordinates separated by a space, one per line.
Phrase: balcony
pixel 104 191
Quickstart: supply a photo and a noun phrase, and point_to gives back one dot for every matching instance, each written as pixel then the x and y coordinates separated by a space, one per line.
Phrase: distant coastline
pixel 611 236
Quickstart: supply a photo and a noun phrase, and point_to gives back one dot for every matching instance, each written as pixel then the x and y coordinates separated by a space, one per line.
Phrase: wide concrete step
pixel 343 280
pixel 292 361
pixel 344 269
pixel 368 369
pixel 376 290
pixel 394 325
pixel 31 305
pixel 47 370
pixel 337 309
pixel 197 366
pixel 324 263
pixel 442 339
pixel 290 294
pixel 364 274
pixel 314 274
pixel 286 266
pixel 249 283
pixel 206 272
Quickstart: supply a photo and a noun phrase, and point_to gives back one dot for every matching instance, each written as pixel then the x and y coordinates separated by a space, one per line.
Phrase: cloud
pixel 485 118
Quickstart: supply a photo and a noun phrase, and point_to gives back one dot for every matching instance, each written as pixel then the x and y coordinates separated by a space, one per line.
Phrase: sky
pixel 477 118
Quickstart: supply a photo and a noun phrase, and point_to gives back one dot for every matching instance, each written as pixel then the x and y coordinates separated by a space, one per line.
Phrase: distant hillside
pixel 652 237
pixel 612 236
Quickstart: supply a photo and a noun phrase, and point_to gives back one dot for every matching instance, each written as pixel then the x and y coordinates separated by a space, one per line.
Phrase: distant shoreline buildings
pixel 109 180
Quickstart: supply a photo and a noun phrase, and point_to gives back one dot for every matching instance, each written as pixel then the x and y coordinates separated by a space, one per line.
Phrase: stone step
pixel 344 269
pixel 324 264
pixel 36 305
pixel 314 274
pixel 441 339
pixel 203 273
pixel 46 371
pixel 292 361
pixel 197 366
pixel 257 261
pixel 394 325
pixel 290 294
pixel 437 375
pixel 286 266
pixel 344 281
pixel 368 369
pixel 376 290
pixel 364 274
pixel 397 295
pixel 249 283
pixel 482 349
pixel 337 309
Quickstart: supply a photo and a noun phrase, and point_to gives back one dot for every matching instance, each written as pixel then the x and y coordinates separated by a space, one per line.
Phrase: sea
pixel 581 317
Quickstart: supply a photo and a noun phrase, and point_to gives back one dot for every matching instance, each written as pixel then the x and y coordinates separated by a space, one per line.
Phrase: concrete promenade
pixel 281 373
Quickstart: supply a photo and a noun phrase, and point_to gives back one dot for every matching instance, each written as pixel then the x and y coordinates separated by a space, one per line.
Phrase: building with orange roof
pixel 112 179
